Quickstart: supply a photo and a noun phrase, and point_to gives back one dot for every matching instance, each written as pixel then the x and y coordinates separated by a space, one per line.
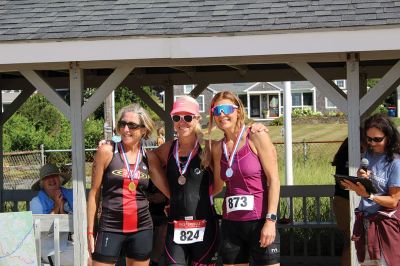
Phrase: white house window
pixel 302 100
pixel 341 83
pixel 329 104
pixel 199 99
pixel 188 88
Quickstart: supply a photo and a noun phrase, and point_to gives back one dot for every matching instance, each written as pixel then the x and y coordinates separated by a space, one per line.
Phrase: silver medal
pixel 181 180
pixel 229 172
pixel 197 171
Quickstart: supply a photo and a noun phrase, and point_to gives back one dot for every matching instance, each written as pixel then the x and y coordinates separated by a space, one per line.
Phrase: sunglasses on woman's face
pixel 375 139
pixel 186 118
pixel 226 108
pixel 131 125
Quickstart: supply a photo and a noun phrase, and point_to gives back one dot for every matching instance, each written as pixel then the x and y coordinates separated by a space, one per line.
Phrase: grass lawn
pixel 308 132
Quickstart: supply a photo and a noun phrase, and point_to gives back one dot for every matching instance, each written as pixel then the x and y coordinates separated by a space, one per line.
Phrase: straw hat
pixel 48 170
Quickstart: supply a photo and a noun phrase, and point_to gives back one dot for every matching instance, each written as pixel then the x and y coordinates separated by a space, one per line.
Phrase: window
pixel 302 99
pixel 199 99
pixel 341 83
pixel 188 88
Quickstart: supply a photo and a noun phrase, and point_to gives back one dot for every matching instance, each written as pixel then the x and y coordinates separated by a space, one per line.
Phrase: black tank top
pixel 124 211
pixel 193 198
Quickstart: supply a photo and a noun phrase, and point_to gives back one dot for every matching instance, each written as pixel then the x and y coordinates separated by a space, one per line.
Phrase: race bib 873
pixel 239 203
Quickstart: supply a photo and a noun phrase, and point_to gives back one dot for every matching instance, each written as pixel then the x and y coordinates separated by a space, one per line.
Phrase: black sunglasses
pixel 131 125
pixel 186 118
pixel 375 139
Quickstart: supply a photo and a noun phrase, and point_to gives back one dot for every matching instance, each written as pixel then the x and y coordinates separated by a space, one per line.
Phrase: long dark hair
pixel 384 124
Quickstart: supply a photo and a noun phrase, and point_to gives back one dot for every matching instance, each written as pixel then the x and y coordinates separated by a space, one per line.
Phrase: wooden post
pixel 78 165
pixel 353 108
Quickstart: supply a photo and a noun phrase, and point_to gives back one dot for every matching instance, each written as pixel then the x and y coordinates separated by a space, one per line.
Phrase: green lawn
pixel 309 132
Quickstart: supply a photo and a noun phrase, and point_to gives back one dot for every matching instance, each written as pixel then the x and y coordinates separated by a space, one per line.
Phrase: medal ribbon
pixel 126 162
pixel 230 160
pixel 178 162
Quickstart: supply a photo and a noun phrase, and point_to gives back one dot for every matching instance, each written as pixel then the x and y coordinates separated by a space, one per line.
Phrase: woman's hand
pixel 358 187
pixel 90 238
pixel 268 233
pixel 258 127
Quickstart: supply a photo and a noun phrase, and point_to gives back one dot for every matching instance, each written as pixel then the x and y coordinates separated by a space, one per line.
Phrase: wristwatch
pixel 271 216
pixel 371 197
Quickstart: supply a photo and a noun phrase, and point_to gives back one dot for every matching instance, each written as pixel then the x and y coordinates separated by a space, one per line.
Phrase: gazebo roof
pixel 47 19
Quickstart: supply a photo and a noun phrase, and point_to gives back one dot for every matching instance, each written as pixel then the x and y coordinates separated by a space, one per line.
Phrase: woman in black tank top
pixel 192 234
pixel 121 173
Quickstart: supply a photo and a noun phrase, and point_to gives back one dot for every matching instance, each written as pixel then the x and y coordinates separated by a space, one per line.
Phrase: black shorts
pixel 199 253
pixel 110 246
pixel 240 242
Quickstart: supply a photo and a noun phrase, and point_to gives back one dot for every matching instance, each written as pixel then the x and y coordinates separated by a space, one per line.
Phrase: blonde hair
pixel 144 118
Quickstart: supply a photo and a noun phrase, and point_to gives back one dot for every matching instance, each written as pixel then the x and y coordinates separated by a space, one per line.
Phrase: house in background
pixel 264 100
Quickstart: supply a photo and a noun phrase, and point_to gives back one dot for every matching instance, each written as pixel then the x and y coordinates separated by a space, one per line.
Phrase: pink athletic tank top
pixel 248 179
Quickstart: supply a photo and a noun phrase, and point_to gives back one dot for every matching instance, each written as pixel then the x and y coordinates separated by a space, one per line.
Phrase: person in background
pixel 248 164
pixel 53 199
pixel 376 228
pixel 120 177
pixel 160 136
pixel 341 204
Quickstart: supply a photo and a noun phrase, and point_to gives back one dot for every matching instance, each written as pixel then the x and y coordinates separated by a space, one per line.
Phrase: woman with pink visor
pixel 192 234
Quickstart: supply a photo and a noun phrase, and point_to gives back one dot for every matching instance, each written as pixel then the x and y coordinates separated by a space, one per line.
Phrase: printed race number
pixel 239 203
pixel 187 232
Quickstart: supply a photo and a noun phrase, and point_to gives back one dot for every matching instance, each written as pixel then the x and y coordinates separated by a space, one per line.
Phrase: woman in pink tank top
pixel 248 164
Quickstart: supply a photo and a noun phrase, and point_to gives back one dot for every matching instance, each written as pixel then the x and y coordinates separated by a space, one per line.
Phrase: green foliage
pixel 297 112
pixel 380 109
pixel 20 134
pixel 277 121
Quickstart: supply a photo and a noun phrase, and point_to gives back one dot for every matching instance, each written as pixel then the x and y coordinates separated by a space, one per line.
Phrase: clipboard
pixel 366 182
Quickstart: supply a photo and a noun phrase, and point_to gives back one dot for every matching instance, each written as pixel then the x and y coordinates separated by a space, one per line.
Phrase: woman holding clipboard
pixel 378 215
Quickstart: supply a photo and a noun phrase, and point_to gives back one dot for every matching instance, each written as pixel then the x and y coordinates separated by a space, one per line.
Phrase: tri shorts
pixel 110 246
pixel 199 253
pixel 240 243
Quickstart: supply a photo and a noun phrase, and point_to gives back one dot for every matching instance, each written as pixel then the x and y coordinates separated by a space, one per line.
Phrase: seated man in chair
pixel 53 199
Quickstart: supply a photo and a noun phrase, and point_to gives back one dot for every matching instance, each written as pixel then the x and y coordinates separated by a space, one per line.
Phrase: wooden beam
pixel 110 84
pixel 149 101
pixel 42 86
pixel 16 104
pixel 334 94
pixel 353 105
pixel 198 89
pixel 241 68
pixel 169 101
pixel 78 166
pixel 379 90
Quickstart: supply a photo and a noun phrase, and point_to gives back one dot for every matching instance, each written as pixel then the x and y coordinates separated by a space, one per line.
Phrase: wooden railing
pixel 54 223
pixel 307 225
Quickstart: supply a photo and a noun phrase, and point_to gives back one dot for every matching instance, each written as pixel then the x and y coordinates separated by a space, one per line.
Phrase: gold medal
pixel 132 186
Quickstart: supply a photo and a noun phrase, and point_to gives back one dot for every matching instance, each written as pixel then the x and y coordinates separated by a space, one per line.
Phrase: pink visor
pixel 184 105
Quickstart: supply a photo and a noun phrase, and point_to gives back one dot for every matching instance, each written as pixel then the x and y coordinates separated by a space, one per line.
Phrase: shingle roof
pixel 58 19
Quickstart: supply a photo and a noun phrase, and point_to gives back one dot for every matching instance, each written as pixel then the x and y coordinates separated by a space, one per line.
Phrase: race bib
pixel 239 203
pixel 187 232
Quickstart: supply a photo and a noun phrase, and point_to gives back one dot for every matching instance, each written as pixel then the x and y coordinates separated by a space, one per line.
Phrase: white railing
pixel 51 223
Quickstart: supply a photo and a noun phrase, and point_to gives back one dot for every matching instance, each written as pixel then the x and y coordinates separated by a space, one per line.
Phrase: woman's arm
pixel 216 152
pixel 266 152
pixel 101 161
pixel 157 173
pixel 389 201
